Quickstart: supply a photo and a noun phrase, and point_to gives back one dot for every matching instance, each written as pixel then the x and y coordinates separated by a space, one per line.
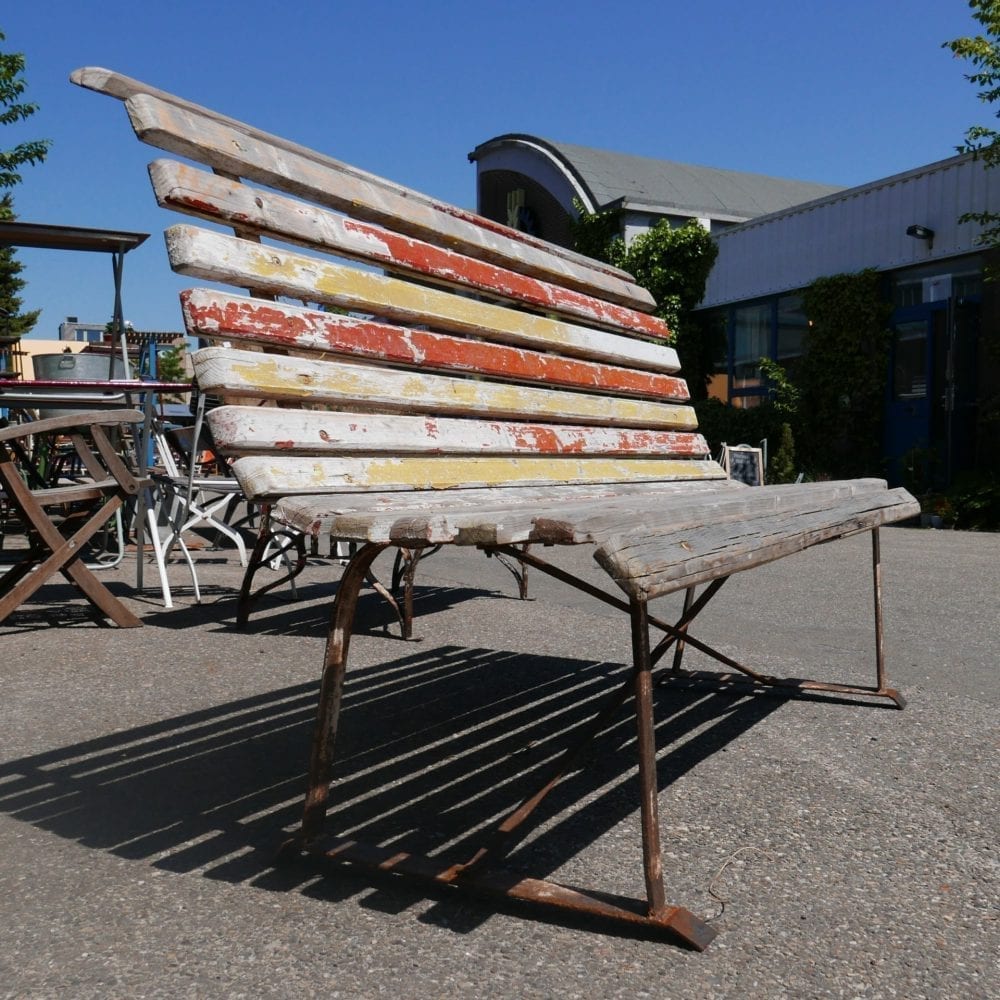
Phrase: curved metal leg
pixel 331 688
pixel 515 566
pixel 259 556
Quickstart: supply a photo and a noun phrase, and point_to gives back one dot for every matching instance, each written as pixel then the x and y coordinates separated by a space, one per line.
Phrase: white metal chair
pixel 189 500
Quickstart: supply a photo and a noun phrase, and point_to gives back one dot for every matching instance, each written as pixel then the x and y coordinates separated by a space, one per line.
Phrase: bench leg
pixel 261 555
pixel 689 596
pixel 880 677
pixel 517 568
pixel 331 690
pixel 475 875
pixel 684 923
pixel 643 682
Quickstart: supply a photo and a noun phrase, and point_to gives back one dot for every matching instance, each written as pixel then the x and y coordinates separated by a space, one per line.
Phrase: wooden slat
pixel 240 152
pixel 243 374
pixel 572 525
pixel 221 316
pixel 499 516
pixel 277 476
pixel 226 259
pixel 57 496
pixel 243 430
pixel 654 559
pixel 124 87
pixel 209 196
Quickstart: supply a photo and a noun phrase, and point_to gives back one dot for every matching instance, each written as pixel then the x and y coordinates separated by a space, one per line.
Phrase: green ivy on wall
pixel 828 422
pixel 842 377
pixel 673 265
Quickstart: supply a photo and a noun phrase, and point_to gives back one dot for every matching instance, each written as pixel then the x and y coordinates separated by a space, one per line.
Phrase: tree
pixel 673 266
pixel 13 322
pixel 983 53
pixel 12 111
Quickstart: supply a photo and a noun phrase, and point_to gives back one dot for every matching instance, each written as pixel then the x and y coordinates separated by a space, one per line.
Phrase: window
pixel 909 377
pixel 907 293
pixel 792 330
pixel 751 341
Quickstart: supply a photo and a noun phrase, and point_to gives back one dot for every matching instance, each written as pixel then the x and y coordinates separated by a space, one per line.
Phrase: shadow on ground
pixel 433 746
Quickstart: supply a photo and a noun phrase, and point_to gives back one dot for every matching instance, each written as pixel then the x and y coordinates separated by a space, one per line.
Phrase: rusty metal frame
pixel 404 569
pixel 745 678
pixel 479 873
pixel 268 534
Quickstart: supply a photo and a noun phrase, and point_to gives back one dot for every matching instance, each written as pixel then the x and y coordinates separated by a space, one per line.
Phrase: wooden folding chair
pixel 61 518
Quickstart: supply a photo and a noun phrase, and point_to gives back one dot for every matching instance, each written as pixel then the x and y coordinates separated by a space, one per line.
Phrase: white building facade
pixel 907 228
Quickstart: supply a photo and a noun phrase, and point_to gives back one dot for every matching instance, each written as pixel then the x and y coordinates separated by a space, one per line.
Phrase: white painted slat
pixel 243 430
pixel 245 375
pixel 569 515
pixel 221 199
pixel 226 259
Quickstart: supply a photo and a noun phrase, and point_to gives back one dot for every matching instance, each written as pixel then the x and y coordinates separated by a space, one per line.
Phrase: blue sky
pixel 839 91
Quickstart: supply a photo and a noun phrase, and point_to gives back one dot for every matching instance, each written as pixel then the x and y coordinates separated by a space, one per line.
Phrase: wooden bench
pixel 487 390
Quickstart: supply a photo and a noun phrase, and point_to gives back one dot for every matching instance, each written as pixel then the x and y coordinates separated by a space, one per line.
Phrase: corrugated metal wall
pixel 858 228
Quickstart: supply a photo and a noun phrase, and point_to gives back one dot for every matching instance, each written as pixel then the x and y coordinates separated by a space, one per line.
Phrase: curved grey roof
pixel 610 177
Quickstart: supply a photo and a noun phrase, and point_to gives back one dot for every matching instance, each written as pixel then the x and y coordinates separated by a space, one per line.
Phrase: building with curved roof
pixel 534 183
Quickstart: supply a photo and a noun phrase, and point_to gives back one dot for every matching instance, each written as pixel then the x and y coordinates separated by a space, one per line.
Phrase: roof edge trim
pixel 547 150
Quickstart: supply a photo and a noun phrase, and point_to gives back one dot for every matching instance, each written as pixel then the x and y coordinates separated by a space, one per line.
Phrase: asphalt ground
pixel 840 849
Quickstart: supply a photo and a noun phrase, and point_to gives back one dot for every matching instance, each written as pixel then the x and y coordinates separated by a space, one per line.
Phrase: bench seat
pixel 602 517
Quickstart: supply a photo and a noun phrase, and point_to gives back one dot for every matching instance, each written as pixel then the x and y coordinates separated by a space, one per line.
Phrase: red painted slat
pixel 218 315
pixel 196 192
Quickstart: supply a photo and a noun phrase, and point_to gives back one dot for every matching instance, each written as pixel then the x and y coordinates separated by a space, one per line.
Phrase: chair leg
pixel 158 555
pixel 65 557
pixel 161 554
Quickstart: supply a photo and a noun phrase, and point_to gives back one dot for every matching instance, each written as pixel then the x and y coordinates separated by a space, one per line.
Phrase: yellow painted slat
pixel 243 374
pixel 286 476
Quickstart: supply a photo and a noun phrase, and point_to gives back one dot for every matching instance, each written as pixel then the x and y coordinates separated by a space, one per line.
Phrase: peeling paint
pixel 232 316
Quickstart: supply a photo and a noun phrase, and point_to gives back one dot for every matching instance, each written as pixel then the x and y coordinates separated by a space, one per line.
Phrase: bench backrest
pixel 462 352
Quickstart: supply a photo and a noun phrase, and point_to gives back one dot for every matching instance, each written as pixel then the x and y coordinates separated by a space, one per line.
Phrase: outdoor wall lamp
pixel 921 233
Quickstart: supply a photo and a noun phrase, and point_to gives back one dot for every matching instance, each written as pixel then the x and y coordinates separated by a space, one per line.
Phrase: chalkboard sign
pixel 744 464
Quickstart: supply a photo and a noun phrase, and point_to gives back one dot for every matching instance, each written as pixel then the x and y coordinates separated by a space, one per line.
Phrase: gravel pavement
pixel 841 850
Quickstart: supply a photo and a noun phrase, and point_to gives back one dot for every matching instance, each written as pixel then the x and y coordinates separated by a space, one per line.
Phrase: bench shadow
pixel 434 746
pixel 309 614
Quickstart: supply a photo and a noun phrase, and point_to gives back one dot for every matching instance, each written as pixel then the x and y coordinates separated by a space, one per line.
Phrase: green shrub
pixel 974 502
